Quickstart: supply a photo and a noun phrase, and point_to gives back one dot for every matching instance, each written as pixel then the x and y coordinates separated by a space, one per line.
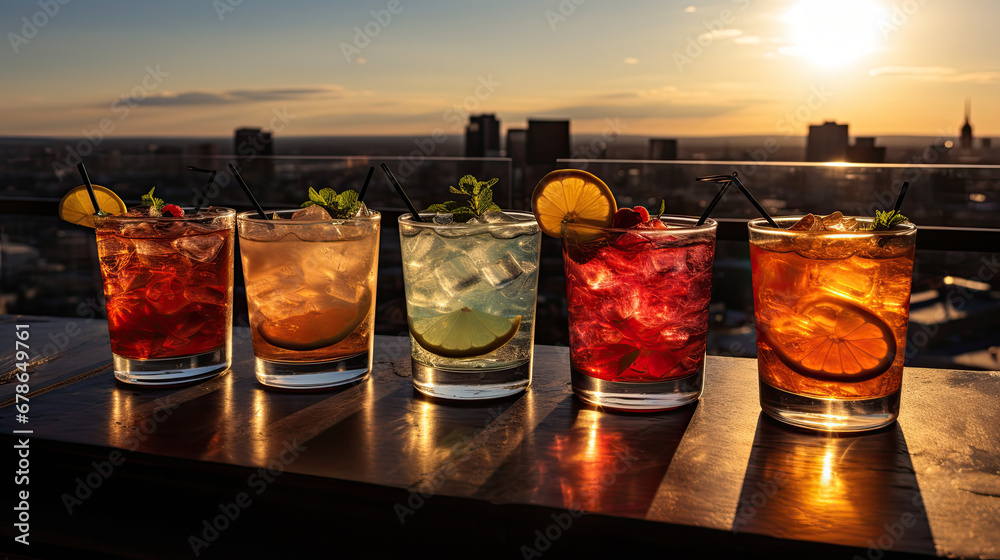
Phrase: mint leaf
pixel 315 197
pixel 468 184
pixel 347 204
pixel 886 220
pixel 149 200
pixel 341 206
pixel 484 198
pixel 480 195
pixel 663 208
pixel 328 196
pixel 463 214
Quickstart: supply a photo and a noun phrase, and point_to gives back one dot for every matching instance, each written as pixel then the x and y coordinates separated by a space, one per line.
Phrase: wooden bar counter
pixel 229 469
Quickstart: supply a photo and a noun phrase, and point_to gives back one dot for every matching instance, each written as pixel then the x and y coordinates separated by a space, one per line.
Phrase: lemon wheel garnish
pixel 316 329
pixel 572 196
pixel 832 339
pixel 464 333
pixel 77 208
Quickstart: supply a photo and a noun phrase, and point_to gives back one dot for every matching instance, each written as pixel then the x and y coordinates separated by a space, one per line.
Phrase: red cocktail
pixel 168 288
pixel 638 311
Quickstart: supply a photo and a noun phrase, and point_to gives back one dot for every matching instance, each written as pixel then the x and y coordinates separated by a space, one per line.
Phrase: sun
pixel 832 34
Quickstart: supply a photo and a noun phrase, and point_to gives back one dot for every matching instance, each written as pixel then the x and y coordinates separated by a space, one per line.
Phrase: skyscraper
pixel 662 148
pixel 482 136
pixel 966 140
pixel 547 141
pixel 827 142
pixel 249 142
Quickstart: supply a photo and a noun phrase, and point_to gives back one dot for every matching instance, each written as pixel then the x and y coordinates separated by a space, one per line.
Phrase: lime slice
pixel 77 208
pixel 464 333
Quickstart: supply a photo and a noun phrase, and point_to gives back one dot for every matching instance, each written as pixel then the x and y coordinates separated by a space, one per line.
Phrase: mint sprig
pixel 663 208
pixel 480 199
pixel 341 206
pixel 149 200
pixel 886 220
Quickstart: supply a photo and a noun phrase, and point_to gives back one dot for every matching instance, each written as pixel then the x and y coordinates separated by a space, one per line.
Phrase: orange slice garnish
pixel 316 329
pixel 77 208
pixel 832 339
pixel 572 196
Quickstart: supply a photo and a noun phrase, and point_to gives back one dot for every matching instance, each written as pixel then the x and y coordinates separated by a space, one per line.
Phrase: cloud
pixel 191 98
pixel 747 40
pixel 935 74
pixel 631 60
pixel 721 34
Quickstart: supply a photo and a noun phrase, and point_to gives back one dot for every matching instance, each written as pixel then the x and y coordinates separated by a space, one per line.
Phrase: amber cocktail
pixel 831 305
pixel 311 296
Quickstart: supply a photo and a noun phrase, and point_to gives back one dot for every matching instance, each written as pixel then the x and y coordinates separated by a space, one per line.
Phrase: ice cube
pixel 201 248
pixel 153 248
pixel 457 275
pixel 205 294
pixel 503 271
pixel 497 217
pixel 444 219
pixel 363 211
pixel 314 213
pixel 421 246
pixel 809 222
pixel 113 245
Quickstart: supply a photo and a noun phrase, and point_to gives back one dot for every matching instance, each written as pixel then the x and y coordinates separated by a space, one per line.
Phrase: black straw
pixel 90 186
pixel 899 197
pixel 368 179
pixel 200 197
pixel 246 189
pixel 402 193
pixel 726 180
pixel 753 201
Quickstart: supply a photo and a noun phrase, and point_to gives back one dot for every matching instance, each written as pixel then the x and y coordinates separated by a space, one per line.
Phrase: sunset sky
pixel 309 67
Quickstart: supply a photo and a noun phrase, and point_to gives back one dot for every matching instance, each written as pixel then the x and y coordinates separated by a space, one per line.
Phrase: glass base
pixel 312 375
pixel 475 384
pixel 829 415
pixel 165 372
pixel 646 396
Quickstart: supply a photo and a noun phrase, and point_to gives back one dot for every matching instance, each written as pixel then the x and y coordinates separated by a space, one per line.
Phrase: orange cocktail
pixel 831 305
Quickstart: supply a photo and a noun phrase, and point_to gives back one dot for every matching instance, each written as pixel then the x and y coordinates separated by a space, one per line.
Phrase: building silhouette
pixel 965 141
pixel 864 150
pixel 547 142
pixel 827 142
pixel 249 142
pixel 663 148
pixel 482 136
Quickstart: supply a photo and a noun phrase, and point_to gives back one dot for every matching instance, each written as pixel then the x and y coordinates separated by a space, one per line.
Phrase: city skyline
pixel 396 67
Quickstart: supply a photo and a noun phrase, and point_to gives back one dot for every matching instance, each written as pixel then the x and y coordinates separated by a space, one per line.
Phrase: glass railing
pixel 48 267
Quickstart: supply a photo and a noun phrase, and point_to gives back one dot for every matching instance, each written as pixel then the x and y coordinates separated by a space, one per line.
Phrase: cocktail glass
pixel 638 312
pixel 168 289
pixel 311 297
pixel 470 303
pixel 831 309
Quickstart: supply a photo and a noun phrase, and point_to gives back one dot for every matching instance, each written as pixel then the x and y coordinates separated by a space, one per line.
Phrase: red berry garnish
pixel 655 223
pixel 626 218
pixel 643 213
pixel 173 211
